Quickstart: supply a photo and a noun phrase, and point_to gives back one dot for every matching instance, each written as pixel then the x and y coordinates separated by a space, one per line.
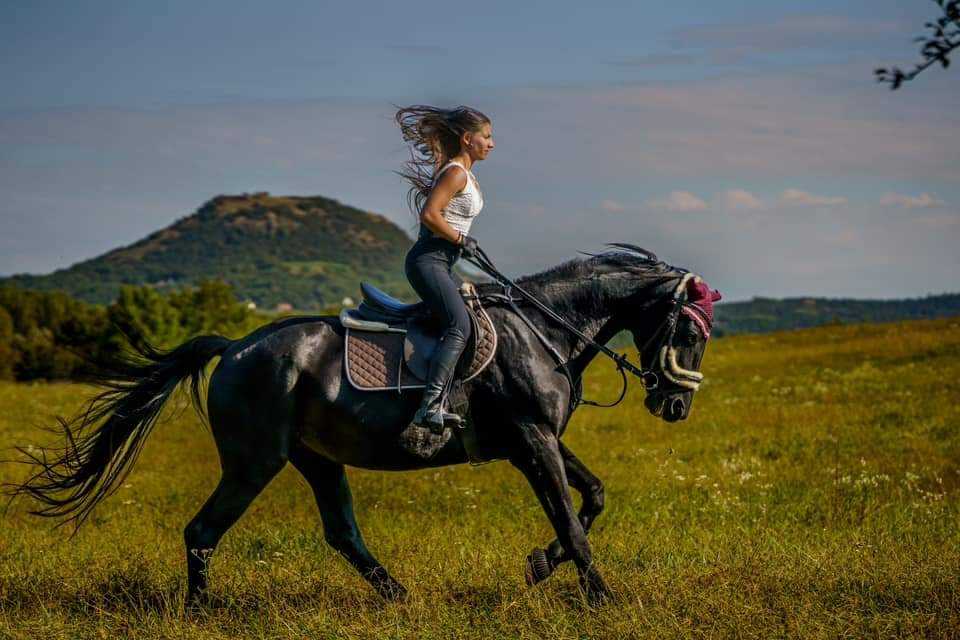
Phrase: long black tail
pixel 71 480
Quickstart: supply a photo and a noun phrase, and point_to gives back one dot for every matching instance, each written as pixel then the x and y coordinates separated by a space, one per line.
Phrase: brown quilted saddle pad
pixel 375 360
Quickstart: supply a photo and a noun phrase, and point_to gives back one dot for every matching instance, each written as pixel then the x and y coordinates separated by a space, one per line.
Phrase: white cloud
pixel 807 199
pixel 922 201
pixel 734 199
pixel 612 206
pixel 679 201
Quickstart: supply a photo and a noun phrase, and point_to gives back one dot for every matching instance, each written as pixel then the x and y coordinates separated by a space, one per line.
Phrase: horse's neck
pixel 592 314
pixel 596 321
pixel 579 359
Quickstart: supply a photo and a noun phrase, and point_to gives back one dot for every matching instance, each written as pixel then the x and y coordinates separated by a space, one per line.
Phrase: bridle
pixel 666 353
pixel 664 366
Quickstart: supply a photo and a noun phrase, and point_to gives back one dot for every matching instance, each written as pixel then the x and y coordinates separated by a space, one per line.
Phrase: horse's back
pixel 261 370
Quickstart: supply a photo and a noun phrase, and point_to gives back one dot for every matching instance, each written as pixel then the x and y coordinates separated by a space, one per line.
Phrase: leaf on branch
pixel 936 47
pixel 898 78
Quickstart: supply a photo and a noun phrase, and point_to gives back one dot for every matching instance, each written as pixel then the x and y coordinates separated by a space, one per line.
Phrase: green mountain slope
pixel 312 251
pixel 306 251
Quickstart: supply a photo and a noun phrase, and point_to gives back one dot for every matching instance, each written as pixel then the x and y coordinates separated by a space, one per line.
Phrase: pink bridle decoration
pixel 700 309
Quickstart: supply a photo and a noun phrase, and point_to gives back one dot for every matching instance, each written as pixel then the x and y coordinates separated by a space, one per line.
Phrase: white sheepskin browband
pixel 681 290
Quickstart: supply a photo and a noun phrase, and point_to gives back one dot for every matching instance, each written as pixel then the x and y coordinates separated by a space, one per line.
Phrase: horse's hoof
pixel 196 603
pixel 596 591
pixel 598 598
pixel 392 591
pixel 538 567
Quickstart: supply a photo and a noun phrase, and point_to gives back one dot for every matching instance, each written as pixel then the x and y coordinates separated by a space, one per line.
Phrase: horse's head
pixel 671 347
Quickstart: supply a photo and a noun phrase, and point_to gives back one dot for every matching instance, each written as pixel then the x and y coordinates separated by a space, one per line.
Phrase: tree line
pixel 52 336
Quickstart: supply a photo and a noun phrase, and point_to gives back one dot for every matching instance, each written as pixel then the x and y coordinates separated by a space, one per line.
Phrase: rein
pixel 648 377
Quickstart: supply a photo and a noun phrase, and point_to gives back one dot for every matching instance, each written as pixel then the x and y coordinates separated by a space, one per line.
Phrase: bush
pixel 49 335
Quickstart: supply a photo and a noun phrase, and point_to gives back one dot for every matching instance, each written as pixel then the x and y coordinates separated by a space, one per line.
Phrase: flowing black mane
pixel 637 267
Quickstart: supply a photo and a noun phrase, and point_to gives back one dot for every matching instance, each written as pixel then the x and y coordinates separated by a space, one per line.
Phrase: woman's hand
pixel 470 247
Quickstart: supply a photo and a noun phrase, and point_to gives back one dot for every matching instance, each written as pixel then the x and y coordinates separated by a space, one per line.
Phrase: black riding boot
pixel 428 432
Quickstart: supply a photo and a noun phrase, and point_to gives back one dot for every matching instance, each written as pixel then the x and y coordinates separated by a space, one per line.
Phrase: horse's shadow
pixel 563 592
pixel 134 592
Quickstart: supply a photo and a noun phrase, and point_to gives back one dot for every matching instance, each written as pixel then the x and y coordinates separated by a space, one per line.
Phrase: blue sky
pixel 744 140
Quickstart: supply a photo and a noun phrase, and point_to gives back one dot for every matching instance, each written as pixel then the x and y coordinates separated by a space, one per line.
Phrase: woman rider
pixel 445 145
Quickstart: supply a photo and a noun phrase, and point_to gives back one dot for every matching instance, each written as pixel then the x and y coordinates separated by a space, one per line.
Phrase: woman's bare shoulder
pixel 454 178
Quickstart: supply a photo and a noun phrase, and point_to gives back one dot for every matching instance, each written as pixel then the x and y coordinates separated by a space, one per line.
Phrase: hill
pixel 306 251
pixel 311 252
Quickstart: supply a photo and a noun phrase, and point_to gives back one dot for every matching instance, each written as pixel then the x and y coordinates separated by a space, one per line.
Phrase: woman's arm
pixel 451 181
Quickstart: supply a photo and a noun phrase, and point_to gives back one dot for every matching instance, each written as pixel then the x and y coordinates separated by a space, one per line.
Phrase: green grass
pixel 812 493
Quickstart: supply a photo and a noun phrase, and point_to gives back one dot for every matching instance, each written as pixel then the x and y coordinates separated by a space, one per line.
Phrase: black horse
pixel 279 395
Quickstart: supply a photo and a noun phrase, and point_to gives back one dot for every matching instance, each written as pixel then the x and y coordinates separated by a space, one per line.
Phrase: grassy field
pixel 814 492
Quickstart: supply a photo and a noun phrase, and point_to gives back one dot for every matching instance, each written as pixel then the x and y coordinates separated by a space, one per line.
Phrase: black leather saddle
pixel 378 306
pixel 381 312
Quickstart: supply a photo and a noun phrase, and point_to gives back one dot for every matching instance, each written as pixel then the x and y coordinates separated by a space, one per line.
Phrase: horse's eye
pixel 690 337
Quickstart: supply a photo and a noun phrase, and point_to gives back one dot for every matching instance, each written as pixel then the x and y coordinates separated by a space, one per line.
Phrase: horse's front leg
pixel 542 562
pixel 539 459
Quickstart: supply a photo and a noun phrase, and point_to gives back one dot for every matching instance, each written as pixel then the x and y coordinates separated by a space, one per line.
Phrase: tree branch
pixel 937 46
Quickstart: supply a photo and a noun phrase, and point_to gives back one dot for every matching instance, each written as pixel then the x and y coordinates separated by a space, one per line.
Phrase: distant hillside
pixel 312 251
pixel 306 251
pixel 761 315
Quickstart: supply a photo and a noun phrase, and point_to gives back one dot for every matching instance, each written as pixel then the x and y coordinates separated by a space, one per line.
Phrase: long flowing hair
pixel 434 137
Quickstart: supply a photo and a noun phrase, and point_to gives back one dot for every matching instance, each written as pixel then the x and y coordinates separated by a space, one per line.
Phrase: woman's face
pixel 479 143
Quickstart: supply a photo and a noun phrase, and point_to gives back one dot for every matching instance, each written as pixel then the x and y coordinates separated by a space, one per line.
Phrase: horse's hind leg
pixel 329 483
pixel 223 508
pixel 253 448
pixel 542 562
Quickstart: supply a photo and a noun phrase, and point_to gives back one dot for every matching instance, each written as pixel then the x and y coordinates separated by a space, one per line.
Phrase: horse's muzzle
pixel 674 410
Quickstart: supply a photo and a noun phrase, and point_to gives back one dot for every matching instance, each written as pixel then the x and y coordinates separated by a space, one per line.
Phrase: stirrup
pixel 452 420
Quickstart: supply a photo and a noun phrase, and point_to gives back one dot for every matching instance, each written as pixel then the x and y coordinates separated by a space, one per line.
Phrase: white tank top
pixel 464 205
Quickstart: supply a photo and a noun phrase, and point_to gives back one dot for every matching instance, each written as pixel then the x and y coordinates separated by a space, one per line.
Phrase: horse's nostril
pixel 676 408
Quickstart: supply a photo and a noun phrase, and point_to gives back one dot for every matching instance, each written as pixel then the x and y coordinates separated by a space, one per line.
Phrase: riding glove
pixel 469 247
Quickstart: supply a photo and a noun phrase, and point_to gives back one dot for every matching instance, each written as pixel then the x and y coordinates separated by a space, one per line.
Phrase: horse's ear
pixel 697 289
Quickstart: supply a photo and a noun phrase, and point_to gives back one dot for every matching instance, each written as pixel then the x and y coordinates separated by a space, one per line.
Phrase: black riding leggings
pixel 429 268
